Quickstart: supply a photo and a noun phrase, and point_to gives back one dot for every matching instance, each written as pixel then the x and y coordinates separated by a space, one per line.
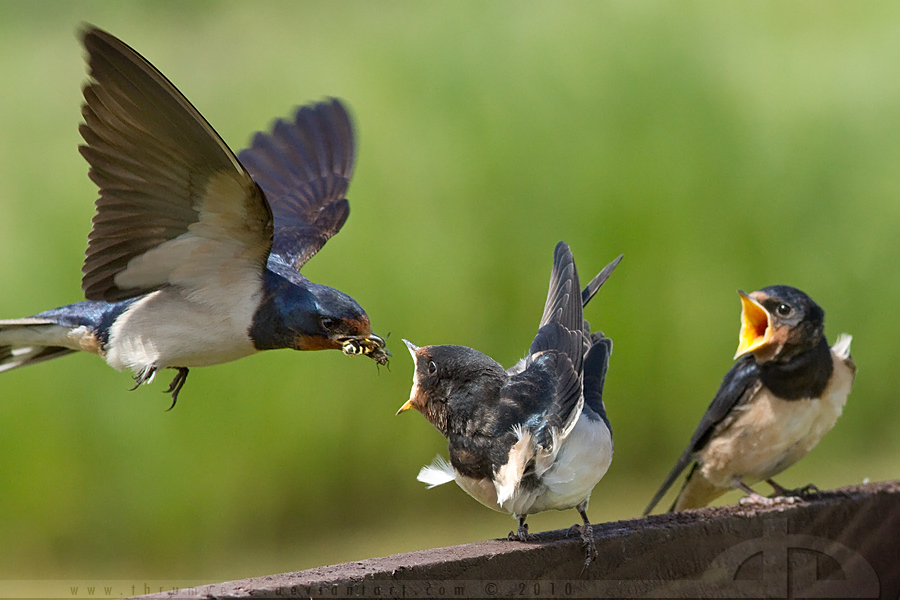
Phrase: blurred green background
pixel 717 145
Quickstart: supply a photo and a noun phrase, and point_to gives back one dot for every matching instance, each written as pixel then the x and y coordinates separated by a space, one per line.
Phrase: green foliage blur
pixel 719 146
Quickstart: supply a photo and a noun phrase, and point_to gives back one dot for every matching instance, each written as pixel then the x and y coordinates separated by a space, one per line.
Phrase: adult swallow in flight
pixel 534 437
pixel 774 405
pixel 194 254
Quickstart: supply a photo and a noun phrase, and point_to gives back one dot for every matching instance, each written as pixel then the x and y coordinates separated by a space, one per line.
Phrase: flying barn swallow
pixel 534 437
pixel 774 405
pixel 194 254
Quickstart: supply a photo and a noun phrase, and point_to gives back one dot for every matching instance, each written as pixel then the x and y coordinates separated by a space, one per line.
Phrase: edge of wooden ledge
pixel 649 551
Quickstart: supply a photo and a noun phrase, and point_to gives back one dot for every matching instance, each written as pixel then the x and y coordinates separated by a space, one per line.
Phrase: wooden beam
pixel 843 543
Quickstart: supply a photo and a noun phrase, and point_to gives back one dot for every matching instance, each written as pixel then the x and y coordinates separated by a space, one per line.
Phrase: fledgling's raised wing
pixel 557 352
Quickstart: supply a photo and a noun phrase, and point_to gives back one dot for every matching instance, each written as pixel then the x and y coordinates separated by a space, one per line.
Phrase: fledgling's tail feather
pixel 696 493
pixel 596 363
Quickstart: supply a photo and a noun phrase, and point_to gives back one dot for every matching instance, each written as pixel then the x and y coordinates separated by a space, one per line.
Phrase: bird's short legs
pixel 587 535
pixel 145 376
pixel 522 533
pixel 803 492
pixel 753 498
pixel 176 385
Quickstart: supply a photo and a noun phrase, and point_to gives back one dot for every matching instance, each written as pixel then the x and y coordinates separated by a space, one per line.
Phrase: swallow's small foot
pixel 587 536
pixel 146 375
pixel 521 535
pixel 176 385
pixel 754 499
pixel 587 540
pixel 806 491
pixel 802 493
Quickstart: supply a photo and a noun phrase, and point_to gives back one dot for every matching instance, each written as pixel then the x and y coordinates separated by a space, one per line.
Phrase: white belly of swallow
pixel 167 330
pixel 771 434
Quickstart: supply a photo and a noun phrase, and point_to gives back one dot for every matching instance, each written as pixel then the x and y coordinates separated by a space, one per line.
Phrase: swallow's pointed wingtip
pixel 83 30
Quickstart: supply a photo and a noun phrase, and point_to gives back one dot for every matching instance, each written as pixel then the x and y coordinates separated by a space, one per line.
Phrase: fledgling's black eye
pixel 328 322
pixel 432 368
pixel 783 310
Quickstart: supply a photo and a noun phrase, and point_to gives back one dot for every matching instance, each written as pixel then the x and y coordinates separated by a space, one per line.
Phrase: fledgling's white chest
pixel 172 328
pixel 771 434
pixel 582 461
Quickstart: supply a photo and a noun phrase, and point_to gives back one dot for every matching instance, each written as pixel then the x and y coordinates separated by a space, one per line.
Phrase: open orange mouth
pixel 756 326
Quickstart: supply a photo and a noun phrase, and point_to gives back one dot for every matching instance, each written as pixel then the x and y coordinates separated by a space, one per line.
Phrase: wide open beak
pixel 756 326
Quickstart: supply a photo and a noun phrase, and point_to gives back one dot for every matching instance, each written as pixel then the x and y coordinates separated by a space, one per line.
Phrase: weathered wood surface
pixel 840 544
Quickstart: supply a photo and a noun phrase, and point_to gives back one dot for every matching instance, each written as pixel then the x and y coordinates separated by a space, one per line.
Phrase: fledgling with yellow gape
pixel 774 405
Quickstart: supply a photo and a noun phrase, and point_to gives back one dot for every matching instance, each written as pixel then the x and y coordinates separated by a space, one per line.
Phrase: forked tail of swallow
pixel 29 341
pixel 57 332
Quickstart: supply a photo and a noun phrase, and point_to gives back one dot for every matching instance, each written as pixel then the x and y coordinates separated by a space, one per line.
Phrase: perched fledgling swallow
pixel 534 437
pixel 194 254
pixel 774 405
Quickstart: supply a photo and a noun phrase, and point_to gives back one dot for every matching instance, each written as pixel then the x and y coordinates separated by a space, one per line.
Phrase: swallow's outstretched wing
pixel 739 385
pixel 175 206
pixel 304 167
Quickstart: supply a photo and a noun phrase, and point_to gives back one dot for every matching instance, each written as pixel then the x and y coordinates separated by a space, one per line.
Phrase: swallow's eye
pixel 783 310
pixel 432 368
pixel 328 322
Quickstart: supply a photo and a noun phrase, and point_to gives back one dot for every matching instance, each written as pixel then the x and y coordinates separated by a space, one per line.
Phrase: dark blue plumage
pixel 96 315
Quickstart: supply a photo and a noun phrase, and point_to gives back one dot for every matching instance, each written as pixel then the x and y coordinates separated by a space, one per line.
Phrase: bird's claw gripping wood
pixel 521 534
pixel 587 536
pixel 804 493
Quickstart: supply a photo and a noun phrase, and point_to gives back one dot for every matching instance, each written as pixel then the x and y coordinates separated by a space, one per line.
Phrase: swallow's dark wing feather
pixel 304 168
pixel 740 383
pixel 161 169
pixel 557 351
pixel 596 363
pixel 561 324
pixel 594 286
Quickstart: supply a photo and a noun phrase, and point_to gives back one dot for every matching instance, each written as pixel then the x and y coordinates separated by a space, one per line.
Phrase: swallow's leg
pixel 522 533
pixel 803 492
pixel 176 385
pixel 146 375
pixel 587 535
pixel 753 498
